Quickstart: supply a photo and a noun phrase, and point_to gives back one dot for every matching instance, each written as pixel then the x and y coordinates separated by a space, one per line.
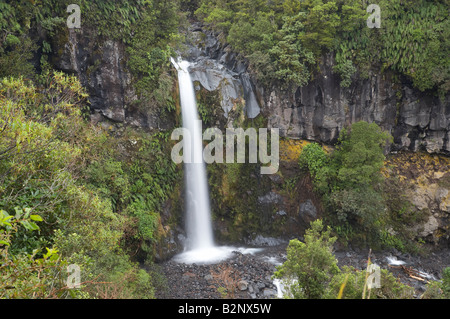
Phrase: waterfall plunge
pixel 199 229
pixel 200 247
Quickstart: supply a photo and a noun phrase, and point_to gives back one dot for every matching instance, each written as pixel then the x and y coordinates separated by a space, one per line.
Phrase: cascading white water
pixel 199 229
pixel 200 246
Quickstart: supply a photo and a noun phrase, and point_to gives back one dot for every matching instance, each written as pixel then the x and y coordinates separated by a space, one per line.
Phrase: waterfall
pixel 200 246
pixel 198 215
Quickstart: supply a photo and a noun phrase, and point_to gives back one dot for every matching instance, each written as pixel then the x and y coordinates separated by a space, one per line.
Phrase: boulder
pixel 242 285
pixel 429 227
pixel 270 198
pixel 307 212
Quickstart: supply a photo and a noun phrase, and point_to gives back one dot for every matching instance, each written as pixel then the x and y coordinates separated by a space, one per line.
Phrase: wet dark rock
pixel 318 111
pixel 242 285
pixel 270 198
pixel 307 212
pixel 262 241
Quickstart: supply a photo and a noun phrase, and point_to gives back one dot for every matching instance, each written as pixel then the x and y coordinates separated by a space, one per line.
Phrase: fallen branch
pixel 415 274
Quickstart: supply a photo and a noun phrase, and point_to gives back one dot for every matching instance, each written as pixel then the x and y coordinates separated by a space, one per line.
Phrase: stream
pixel 249 274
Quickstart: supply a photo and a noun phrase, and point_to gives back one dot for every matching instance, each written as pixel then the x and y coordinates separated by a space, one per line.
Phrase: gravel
pixel 243 276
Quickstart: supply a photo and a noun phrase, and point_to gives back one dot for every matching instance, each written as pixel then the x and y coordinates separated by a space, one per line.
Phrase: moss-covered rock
pixel 424 179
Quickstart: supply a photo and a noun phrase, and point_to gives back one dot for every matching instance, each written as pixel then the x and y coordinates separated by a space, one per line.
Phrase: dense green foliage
pixel 26 275
pixel 92 206
pixel 413 40
pixel 236 193
pixel 311 263
pixel 311 272
pixel 67 187
pixel 284 40
pixel 353 187
pixel 439 289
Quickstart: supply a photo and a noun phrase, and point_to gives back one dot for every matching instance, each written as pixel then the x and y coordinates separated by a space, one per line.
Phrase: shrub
pixel 349 179
pixel 309 265
pixel 311 272
pixel 44 145
pixel 26 275
pixel 360 155
pixel 439 289
pixel 352 283
pixel 313 158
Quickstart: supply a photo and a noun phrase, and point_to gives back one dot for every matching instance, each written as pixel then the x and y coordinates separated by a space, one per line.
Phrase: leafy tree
pixel 413 41
pixel 416 43
pixel 321 23
pixel 309 265
pixel 350 177
pixel 356 175
pixel 33 163
pixel 251 35
pixel 364 208
pixel 438 289
pixel 311 272
pixel 346 69
pixel 360 155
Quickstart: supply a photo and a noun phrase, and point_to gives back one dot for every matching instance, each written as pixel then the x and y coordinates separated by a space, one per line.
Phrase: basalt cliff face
pixel 101 66
pixel 319 110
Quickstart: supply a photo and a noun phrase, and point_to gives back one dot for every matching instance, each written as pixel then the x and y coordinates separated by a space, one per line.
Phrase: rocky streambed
pixel 249 276
pixel 243 276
